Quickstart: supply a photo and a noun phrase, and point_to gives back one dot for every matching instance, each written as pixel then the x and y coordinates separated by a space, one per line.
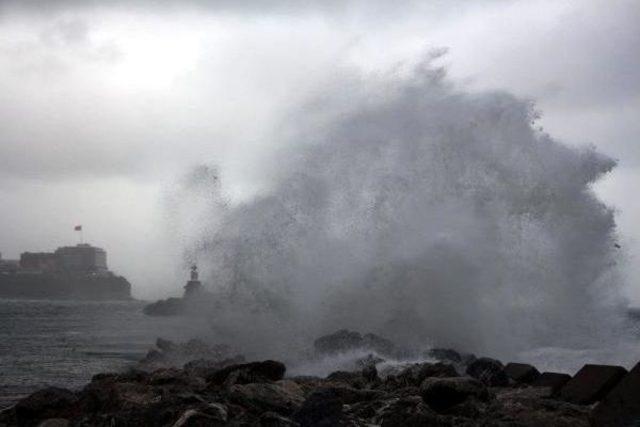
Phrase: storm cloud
pixel 105 107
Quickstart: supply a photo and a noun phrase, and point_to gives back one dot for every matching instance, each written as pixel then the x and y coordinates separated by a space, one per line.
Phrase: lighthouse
pixel 193 286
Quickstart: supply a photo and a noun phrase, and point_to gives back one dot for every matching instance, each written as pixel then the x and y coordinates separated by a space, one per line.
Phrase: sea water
pixel 64 343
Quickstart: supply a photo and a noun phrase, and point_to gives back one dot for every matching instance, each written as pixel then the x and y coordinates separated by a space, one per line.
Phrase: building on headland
pixel 70 272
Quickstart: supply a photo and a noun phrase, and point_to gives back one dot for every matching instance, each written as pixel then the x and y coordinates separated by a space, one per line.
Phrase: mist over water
pixel 406 207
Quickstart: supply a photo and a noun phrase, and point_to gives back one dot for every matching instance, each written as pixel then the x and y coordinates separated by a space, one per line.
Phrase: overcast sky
pixel 105 108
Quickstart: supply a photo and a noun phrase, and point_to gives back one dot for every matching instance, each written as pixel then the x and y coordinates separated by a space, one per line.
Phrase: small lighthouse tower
pixel 193 286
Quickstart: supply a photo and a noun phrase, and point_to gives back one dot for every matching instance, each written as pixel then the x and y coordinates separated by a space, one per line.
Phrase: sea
pixel 64 343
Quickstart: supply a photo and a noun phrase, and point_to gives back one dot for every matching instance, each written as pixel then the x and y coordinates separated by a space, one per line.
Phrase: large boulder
pixel 254 372
pixel 416 373
pixel 552 380
pixel 521 372
pixel 322 408
pixel 264 397
pixel 621 406
pixel 591 383
pixel 489 371
pixel 408 411
pixel 443 393
pixel 530 407
pixel 51 402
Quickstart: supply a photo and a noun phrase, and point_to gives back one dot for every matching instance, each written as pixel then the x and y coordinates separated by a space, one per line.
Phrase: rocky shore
pixel 195 384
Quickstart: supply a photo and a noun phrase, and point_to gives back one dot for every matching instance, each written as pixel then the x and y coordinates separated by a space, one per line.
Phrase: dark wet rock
pixel 591 383
pixel 621 406
pixel 345 340
pixel 108 395
pixel 254 372
pixel 51 402
pixel 261 397
pixel 207 392
pixel 352 379
pixel 489 371
pixel 370 374
pixel 443 393
pixel 529 407
pixel 408 411
pixel 521 372
pixel 553 380
pixel 416 373
pixel 323 408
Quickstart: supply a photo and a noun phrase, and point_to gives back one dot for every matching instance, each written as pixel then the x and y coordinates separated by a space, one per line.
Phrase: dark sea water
pixel 65 343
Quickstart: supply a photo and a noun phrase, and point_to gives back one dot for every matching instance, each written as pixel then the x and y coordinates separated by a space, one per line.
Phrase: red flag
pixel 78 228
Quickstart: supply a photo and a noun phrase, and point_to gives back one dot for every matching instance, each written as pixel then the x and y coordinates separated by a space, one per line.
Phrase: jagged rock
pixel 408 411
pixel 591 383
pixel 352 379
pixel 216 410
pixel 370 374
pixel 51 402
pixel 254 372
pixel 443 393
pixel 489 371
pixel 345 340
pixel 261 397
pixel 553 380
pixel 418 372
pixel 621 406
pixel 521 372
pixel 529 407
pixel 324 406
pixel 108 395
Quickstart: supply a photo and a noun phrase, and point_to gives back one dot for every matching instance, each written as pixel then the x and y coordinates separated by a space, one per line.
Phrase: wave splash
pixel 422 213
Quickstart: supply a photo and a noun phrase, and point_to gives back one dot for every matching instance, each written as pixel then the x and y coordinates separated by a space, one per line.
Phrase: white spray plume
pixel 422 213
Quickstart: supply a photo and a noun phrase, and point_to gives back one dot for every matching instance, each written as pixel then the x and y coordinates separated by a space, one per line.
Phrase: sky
pixel 106 107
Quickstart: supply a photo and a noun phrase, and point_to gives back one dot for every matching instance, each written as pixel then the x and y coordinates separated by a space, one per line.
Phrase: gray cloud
pixel 138 92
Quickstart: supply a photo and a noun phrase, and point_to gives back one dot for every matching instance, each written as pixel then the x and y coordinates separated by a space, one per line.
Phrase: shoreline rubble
pixel 195 384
